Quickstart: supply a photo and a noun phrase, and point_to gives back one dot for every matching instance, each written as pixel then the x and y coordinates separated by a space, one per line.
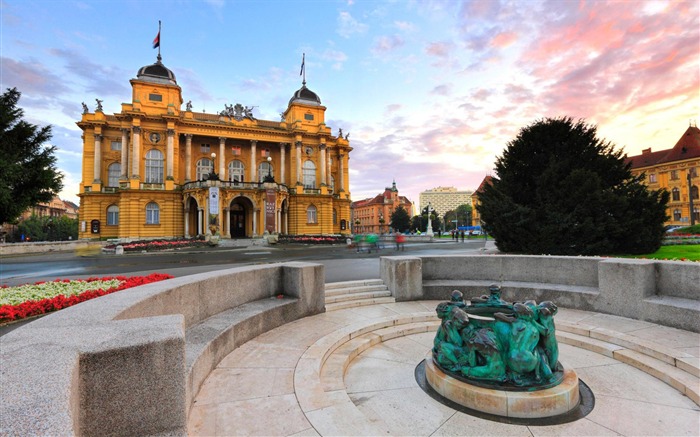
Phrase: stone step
pixel 358 289
pixel 652 362
pixel 359 303
pixel 353 284
pixel 357 296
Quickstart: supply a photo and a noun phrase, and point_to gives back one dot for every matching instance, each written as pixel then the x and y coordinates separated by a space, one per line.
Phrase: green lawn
pixel 688 252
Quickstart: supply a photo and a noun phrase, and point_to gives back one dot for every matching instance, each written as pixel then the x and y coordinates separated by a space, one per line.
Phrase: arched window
pixel 265 169
pixel 694 191
pixel 152 214
pixel 332 187
pixel 236 170
pixel 112 215
pixel 696 214
pixel 154 167
pixel 113 172
pixel 204 167
pixel 311 216
pixel 309 173
pixel 676 215
pixel 675 194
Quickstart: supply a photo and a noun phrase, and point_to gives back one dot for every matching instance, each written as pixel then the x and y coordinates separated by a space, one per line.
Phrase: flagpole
pixel 159 58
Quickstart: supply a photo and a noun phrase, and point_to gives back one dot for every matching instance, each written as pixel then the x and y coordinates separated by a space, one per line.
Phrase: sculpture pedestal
pixel 549 402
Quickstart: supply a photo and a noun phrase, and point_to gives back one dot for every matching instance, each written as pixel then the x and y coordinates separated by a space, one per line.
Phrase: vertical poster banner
pixel 213 200
pixel 271 196
pixel 214 210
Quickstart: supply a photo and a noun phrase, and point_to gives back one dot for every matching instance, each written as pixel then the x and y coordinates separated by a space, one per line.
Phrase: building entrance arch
pixel 193 223
pixel 241 218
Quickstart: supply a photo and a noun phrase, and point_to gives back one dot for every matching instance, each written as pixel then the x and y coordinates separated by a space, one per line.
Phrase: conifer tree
pixel 559 189
pixel 28 173
pixel 400 221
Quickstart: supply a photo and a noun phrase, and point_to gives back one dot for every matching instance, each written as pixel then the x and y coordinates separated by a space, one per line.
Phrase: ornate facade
pixel 675 170
pixel 156 169
pixel 373 215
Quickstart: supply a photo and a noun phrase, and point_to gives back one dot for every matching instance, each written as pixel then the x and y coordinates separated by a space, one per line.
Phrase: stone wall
pixel 130 363
pixel 664 292
pixel 49 246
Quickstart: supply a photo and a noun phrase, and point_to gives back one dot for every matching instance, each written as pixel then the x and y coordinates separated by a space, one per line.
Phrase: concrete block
pixel 403 276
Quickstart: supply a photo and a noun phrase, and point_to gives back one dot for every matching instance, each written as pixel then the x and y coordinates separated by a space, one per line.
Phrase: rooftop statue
pixel 493 343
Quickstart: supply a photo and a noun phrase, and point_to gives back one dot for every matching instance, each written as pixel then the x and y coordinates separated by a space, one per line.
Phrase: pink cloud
pixel 386 44
pixel 503 39
pixel 438 49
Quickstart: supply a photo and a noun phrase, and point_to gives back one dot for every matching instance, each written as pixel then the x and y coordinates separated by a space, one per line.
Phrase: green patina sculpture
pixel 497 343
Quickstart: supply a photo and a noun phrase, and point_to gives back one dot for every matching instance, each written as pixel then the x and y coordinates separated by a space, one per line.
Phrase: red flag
pixel 156 41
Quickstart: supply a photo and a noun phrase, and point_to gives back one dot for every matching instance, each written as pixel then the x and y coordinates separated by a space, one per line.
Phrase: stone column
pixel 330 168
pixel 200 221
pixel 341 176
pixel 206 219
pixel 188 157
pixel 323 163
pixel 170 154
pixel 187 222
pixel 228 223
pixel 222 158
pixel 97 168
pixel 135 152
pixel 253 151
pixel 283 147
pixel 298 146
pixel 255 222
pixel 125 155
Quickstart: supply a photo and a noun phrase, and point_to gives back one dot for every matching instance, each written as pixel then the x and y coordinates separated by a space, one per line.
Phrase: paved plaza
pixel 299 380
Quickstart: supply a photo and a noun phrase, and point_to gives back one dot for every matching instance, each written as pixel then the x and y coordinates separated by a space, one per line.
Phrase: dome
pixel 305 96
pixel 157 73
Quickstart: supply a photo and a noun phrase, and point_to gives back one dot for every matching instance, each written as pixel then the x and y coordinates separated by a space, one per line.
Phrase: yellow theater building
pixel 158 169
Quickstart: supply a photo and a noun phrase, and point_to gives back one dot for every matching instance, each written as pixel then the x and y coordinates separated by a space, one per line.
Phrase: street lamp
pixel 213 176
pixel 269 177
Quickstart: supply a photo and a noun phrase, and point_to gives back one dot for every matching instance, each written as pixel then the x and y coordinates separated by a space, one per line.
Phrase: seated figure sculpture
pixel 494 342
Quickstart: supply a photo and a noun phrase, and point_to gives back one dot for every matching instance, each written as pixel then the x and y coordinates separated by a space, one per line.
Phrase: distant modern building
pixel 675 170
pixel 159 169
pixel 373 215
pixel 476 217
pixel 443 199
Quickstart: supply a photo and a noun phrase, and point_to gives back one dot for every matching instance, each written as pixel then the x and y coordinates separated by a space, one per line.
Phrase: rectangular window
pixel 652 178
pixel 693 172
pixel 205 148
pixel 674 175
pixel 309 117
pixel 116 145
pixel 155 97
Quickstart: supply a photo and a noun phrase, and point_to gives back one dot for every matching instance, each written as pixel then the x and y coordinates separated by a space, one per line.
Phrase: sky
pixel 431 92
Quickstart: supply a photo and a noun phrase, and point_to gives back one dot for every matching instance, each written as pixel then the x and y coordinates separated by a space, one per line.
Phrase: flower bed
pixel 158 245
pixel 680 238
pixel 42 297
pixel 311 239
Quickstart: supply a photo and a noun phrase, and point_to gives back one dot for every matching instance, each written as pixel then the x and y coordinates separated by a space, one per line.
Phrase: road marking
pixel 257 253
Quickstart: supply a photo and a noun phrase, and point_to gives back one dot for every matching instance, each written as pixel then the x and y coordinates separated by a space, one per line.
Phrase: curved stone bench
pixel 663 292
pixel 130 363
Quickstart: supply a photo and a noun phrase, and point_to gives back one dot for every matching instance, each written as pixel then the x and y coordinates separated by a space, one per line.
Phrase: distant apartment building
pixel 373 215
pixel 443 199
pixel 675 170
pixel 54 208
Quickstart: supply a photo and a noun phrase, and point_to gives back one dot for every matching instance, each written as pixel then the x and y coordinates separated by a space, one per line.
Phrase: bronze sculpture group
pixel 497 343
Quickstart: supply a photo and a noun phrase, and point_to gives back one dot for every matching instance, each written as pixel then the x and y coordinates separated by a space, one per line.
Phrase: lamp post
pixel 269 177
pixel 690 198
pixel 213 176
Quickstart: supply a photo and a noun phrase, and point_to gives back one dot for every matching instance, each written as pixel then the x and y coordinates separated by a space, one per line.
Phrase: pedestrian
pixel 461 234
pixel 400 240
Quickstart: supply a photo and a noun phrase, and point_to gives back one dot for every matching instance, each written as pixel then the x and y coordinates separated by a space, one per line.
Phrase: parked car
pixel 671 228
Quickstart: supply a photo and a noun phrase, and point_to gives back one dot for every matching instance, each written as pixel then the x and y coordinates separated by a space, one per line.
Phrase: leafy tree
pixel 561 190
pixel 46 228
pixel 450 216
pixel 400 220
pixel 464 214
pixel 28 173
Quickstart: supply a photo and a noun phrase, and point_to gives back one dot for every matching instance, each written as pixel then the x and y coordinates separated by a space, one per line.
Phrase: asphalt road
pixel 342 264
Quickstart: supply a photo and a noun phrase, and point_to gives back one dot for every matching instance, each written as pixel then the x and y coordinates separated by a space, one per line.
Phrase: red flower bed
pixel 35 307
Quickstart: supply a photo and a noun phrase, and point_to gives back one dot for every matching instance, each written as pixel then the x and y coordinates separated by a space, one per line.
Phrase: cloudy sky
pixel 430 91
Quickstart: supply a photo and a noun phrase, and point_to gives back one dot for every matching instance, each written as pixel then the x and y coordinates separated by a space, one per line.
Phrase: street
pixel 342 264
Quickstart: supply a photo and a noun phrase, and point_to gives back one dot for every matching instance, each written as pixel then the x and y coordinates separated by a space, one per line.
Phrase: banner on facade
pixel 213 200
pixel 271 197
